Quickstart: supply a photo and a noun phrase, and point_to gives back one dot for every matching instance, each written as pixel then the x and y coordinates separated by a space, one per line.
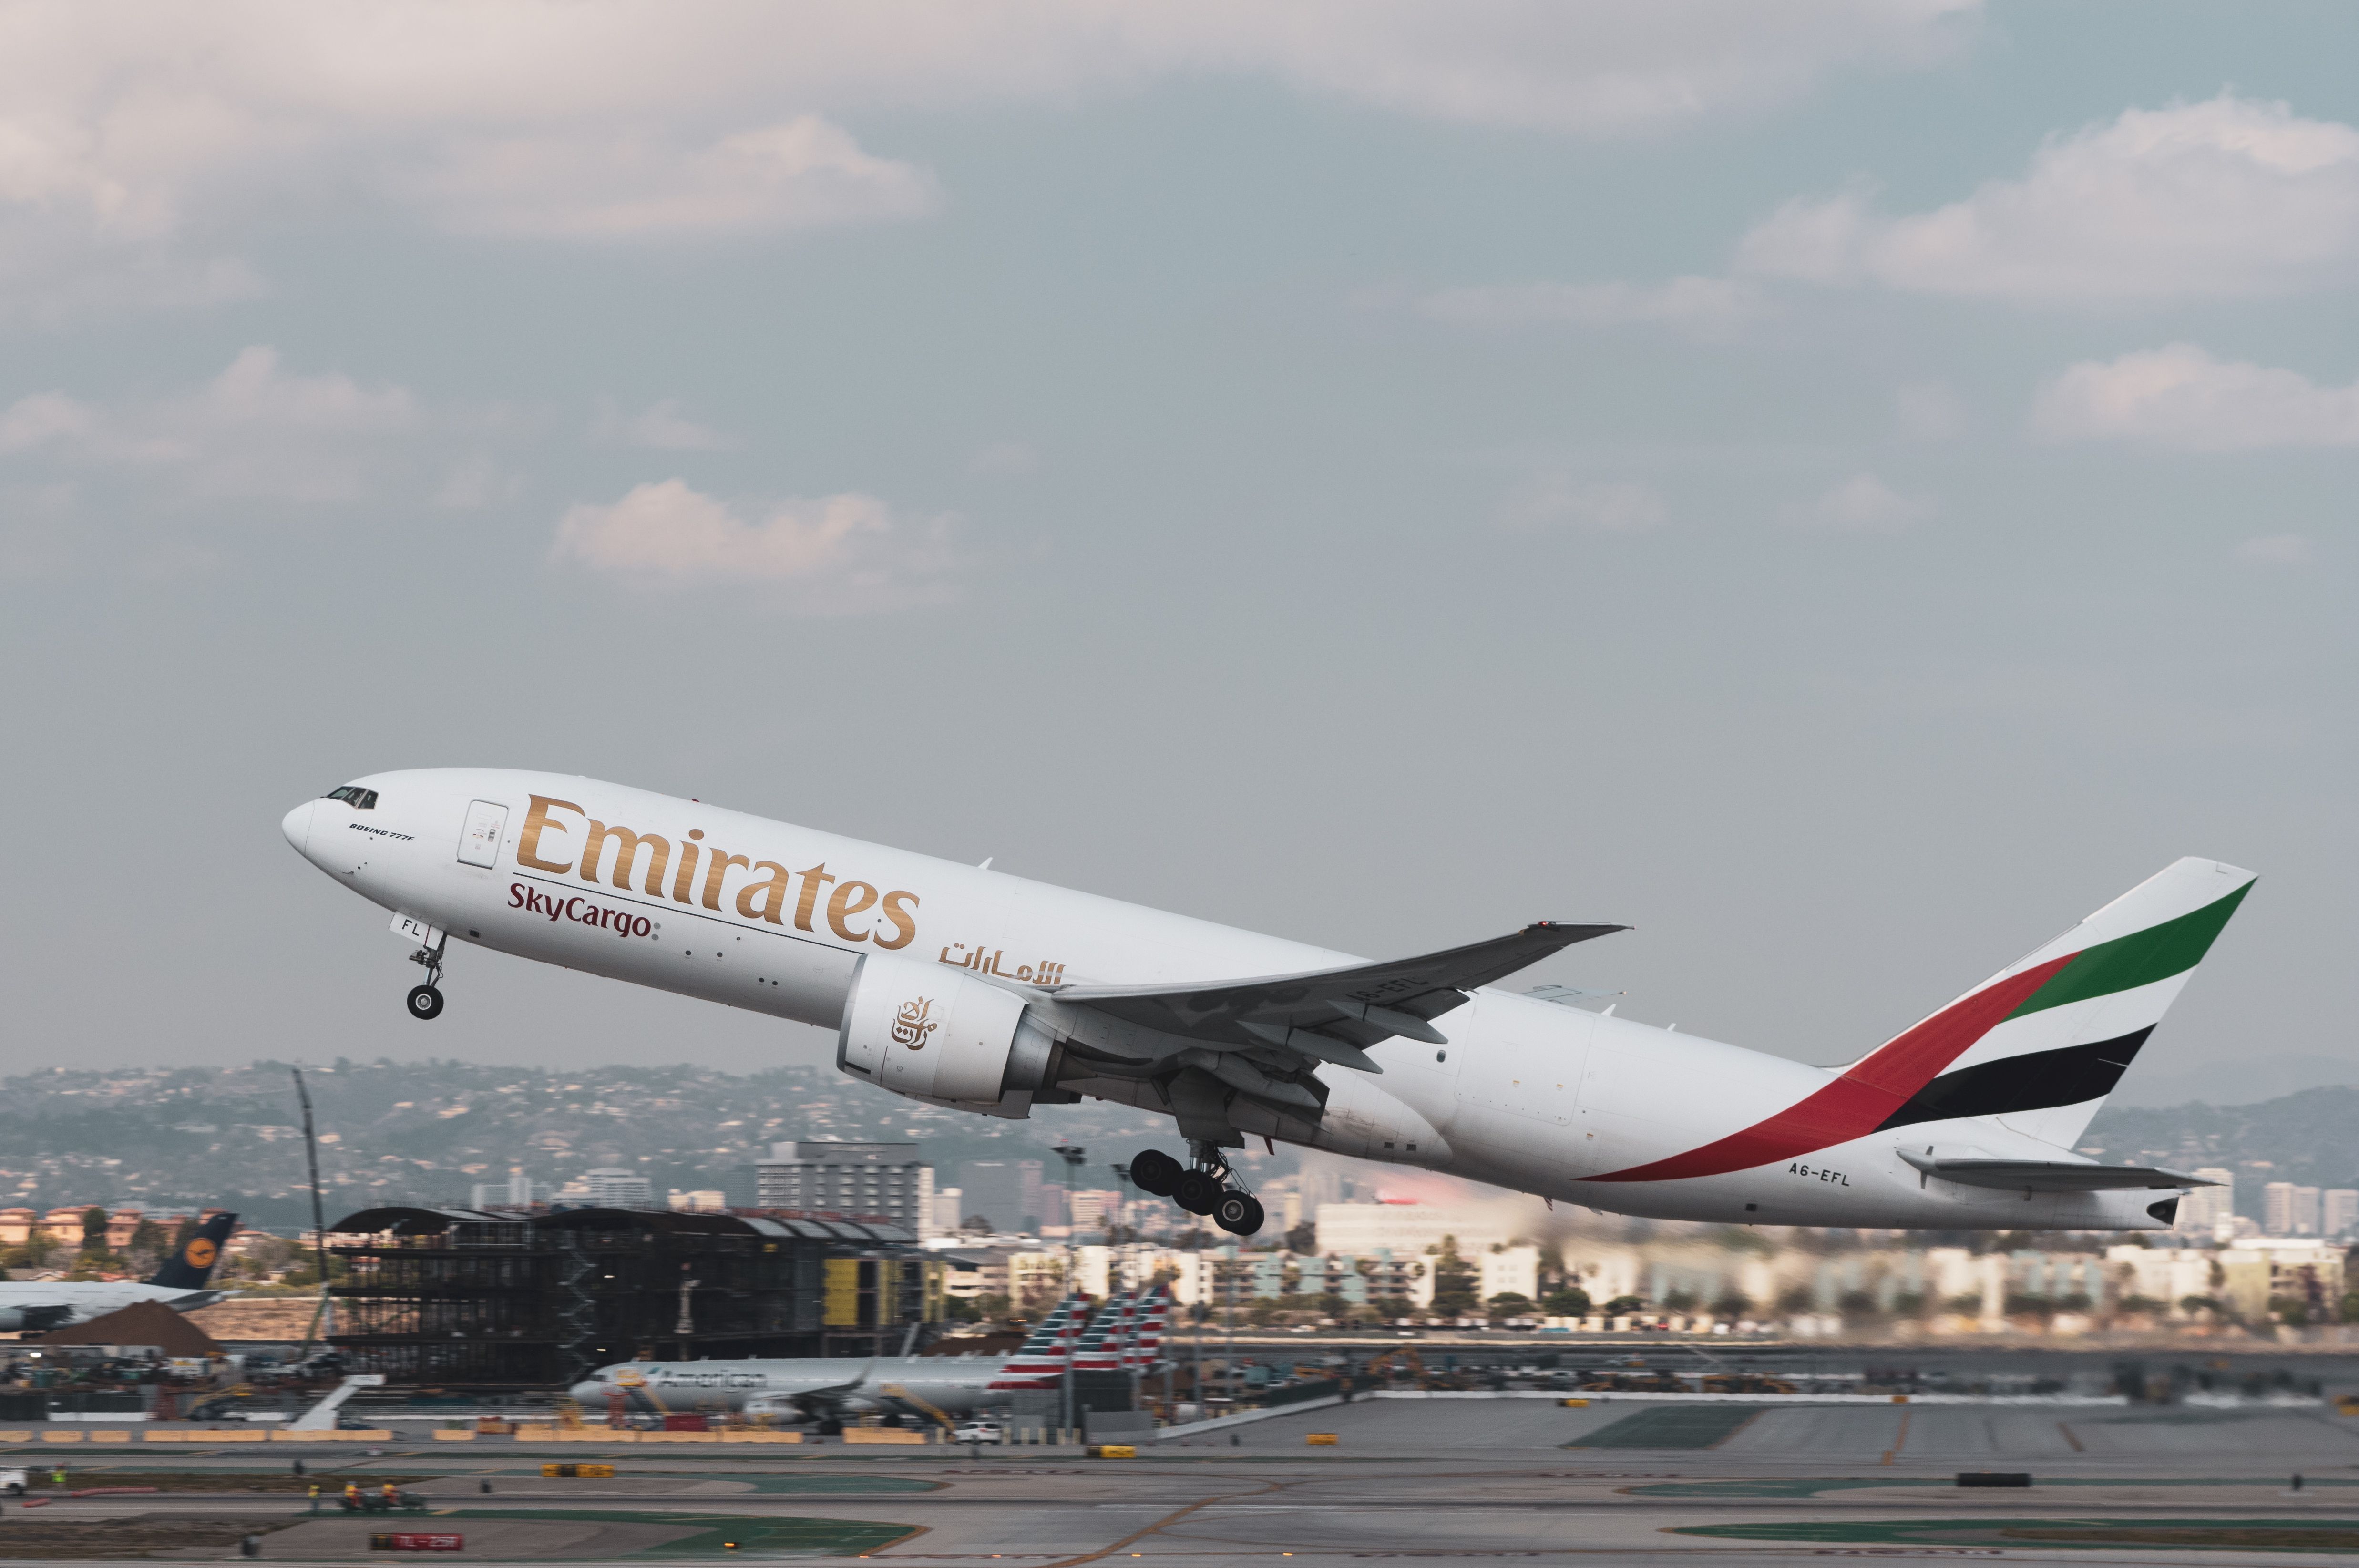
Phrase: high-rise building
pixel 950 1212
pixel 2290 1210
pixel 2338 1210
pixel 2203 1211
pixel 518 1192
pixel 1004 1192
pixel 614 1187
pixel 882 1180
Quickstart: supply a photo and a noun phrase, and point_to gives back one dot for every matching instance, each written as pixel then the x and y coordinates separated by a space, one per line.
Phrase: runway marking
pixel 2078 1446
pixel 1147 1530
pixel 1900 1438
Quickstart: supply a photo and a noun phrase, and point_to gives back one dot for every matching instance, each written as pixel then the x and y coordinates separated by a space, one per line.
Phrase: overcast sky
pixel 1844 488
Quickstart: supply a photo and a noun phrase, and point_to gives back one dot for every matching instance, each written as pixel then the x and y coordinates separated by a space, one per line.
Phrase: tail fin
pixel 190 1266
pixel 2042 1043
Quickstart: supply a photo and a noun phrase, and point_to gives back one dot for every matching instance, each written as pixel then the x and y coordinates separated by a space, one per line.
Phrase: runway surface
pixel 1442 1482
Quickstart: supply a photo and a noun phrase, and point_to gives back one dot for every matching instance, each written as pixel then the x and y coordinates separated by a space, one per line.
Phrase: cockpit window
pixel 353 795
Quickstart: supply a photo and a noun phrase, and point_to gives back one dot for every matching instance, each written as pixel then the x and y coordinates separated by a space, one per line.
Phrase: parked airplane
pixel 181 1283
pixel 963 987
pixel 829 1389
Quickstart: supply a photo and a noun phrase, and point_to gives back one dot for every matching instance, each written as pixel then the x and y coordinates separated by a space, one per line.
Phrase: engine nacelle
pixel 931 1032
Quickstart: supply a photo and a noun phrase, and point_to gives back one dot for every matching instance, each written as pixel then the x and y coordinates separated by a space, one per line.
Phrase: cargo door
pixel 479 838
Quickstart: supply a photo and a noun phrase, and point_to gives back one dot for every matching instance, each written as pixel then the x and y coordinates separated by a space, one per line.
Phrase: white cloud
pixel 803 174
pixel 2181 396
pixel 1699 306
pixel 844 553
pixel 1861 504
pixel 1558 500
pixel 2226 197
pixel 660 427
pixel 2276 549
pixel 139 141
pixel 254 432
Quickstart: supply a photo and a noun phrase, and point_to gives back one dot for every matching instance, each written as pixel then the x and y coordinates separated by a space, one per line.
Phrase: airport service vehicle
pixel 978 1431
pixel 181 1283
pixel 830 1388
pixel 963 987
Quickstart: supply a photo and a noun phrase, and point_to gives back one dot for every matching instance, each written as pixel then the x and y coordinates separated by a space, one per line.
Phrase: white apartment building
pixel 1409 1228
pixel 518 1192
pixel 2209 1211
pixel 2338 1210
pixel 884 1180
pixel 2290 1210
pixel 611 1187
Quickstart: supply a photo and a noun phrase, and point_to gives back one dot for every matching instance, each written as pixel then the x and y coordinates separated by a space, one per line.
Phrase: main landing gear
pixel 426 1001
pixel 1205 1187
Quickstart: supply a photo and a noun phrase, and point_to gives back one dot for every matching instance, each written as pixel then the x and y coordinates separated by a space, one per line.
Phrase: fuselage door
pixel 479 841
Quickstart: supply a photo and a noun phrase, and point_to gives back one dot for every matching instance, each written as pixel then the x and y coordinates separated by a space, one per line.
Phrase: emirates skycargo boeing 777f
pixel 970 988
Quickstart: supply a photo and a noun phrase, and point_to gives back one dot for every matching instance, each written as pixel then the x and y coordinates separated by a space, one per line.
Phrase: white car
pixel 978 1431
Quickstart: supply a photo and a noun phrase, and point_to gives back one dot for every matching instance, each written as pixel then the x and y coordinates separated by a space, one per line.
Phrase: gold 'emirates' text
pixel 766 900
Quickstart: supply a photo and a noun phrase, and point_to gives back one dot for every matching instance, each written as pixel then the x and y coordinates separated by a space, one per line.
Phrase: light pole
pixel 1073 1154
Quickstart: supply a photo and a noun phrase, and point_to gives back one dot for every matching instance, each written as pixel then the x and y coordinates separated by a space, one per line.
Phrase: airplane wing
pixel 1333 1015
pixel 2049 1175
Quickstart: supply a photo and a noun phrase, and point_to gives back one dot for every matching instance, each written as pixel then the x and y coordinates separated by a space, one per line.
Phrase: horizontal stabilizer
pixel 2049 1175
pixel 1353 1007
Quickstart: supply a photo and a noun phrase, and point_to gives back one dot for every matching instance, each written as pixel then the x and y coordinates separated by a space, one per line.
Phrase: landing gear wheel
pixel 1156 1173
pixel 1239 1214
pixel 1196 1191
pixel 425 1002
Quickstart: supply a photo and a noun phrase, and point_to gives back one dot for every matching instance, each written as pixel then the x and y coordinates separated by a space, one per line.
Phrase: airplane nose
pixel 297 826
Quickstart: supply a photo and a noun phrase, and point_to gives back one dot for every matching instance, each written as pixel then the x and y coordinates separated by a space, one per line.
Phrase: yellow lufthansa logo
pixel 200 1253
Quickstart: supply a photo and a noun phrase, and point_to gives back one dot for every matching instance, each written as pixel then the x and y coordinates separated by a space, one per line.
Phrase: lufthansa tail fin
pixel 190 1266
pixel 2042 1043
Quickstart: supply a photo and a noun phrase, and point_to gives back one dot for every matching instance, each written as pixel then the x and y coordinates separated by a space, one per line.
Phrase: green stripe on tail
pixel 2138 958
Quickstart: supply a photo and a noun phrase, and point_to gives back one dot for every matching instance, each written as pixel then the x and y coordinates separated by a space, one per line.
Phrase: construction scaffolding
pixel 479 1300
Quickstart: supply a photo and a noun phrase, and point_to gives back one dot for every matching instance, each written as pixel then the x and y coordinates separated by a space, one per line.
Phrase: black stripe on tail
pixel 2036 1080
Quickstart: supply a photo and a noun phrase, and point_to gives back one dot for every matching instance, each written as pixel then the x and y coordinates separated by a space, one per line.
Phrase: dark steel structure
pixel 484 1300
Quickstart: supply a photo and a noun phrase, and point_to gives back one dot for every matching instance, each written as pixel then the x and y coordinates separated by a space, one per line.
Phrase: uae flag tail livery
pixel 2033 1050
pixel 1040 1361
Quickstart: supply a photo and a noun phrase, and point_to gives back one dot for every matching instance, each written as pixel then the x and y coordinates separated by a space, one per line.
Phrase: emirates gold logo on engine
pixel 911 1025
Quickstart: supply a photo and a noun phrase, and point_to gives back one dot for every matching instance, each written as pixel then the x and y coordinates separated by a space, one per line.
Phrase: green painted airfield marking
pixel 2086 1534
pixel 1670 1426
pixel 752 1532
pixel 1811 1487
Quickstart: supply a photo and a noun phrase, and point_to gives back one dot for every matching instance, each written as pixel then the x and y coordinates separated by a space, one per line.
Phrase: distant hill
pixel 413 1132
pixel 2305 1137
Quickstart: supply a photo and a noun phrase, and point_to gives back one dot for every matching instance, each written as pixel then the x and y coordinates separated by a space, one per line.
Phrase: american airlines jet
pixel 963 987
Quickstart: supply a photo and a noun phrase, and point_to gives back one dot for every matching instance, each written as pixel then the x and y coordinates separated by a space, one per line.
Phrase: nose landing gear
pixel 1206 1187
pixel 426 1001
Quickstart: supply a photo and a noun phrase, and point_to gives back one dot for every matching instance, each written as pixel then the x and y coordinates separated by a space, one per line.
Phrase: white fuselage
pixel 1528 1095
pixel 85 1300
pixel 954 1385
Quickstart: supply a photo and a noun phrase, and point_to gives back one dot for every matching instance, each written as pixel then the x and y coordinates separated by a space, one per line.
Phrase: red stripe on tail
pixel 1869 1091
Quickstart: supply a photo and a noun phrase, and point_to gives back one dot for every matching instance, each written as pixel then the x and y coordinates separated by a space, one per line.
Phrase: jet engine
pixel 33 1318
pixel 935 1033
